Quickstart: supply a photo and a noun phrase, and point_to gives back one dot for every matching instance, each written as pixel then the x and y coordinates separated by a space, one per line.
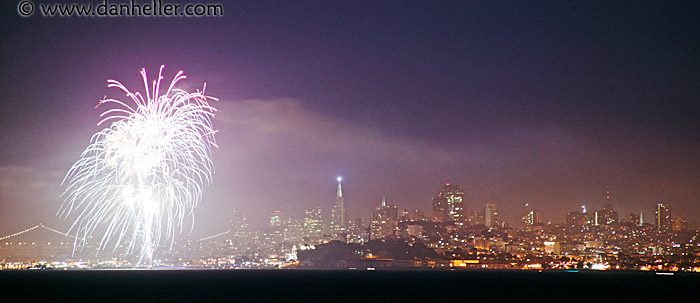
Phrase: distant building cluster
pixel 452 235
pixel 478 237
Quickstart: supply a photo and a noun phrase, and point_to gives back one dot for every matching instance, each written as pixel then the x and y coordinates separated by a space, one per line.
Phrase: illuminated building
pixel 439 209
pixel 357 232
pixel 277 222
pixel 531 217
pixel 478 217
pixel 294 230
pixel 313 223
pixel 607 216
pixel 552 247
pixel 338 223
pixel 576 218
pixel 481 243
pixel 405 216
pixel 240 229
pixel 276 219
pixel 492 216
pixel 449 207
pixel 663 217
pixel 383 221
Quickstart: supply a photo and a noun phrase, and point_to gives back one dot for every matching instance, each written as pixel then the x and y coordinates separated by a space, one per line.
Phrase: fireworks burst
pixel 141 176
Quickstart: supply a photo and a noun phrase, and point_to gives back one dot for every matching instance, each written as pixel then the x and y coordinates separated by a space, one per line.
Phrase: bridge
pixel 18 247
pixel 40 225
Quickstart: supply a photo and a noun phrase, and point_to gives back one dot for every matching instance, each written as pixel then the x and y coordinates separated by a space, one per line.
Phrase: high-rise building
pixel 663 217
pixel 449 206
pixel 277 224
pixel 574 218
pixel 578 218
pixel 313 224
pixel 383 220
pixel 294 230
pixel 587 218
pixel 405 216
pixel 492 217
pixel 478 217
pixel 338 223
pixel 357 232
pixel 439 209
pixel 240 229
pixel 277 219
pixel 608 215
pixel 531 216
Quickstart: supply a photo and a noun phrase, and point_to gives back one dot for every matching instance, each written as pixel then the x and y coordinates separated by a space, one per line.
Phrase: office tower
pixel 449 206
pixel 531 216
pixel 587 219
pixel 275 234
pixel 313 223
pixel 294 230
pixel 383 220
pixel 277 219
pixel 478 217
pixel 338 223
pixel 576 218
pixel 492 216
pixel 607 216
pixel 357 232
pixel 663 217
pixel 240 229
pixel 405 216
pixel 439 209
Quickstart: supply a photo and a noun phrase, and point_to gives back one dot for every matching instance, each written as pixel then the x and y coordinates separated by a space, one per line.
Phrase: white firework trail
pixel 141 176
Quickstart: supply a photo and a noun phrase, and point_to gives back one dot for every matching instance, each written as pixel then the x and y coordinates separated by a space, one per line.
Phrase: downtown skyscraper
pixel 608 215
pixel 338 222
pixel 531 216
pixel 383 221
pixel 663 217
pixel 492 216
pixel 449 206
pixel 313 222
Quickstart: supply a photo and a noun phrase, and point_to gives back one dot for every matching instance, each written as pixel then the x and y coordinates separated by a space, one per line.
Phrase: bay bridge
pixel 41 242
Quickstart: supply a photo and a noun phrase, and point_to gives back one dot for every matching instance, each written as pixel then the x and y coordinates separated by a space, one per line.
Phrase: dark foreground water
pixel 345 286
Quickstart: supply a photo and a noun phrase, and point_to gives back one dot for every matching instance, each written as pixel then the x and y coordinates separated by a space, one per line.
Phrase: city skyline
pixel 487 213
pixel 590 239
pixel 547 104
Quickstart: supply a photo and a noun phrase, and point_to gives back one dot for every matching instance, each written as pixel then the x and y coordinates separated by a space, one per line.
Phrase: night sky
pixel 546 103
